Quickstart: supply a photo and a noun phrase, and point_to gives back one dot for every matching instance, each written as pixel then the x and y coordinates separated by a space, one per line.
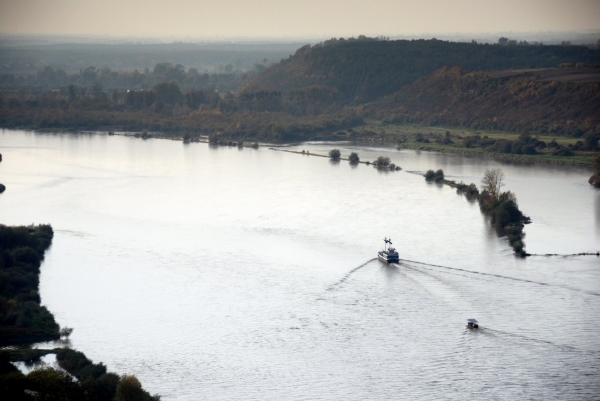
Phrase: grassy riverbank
pixel 459 141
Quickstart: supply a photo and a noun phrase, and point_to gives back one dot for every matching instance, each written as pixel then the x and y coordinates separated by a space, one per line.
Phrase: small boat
pixel 389 254
pixel 472 323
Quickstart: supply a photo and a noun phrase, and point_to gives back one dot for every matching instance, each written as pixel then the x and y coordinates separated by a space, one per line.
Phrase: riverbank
pixel 478 143
pixel 24 321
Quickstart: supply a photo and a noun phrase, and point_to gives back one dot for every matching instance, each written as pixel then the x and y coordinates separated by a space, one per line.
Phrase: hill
pixel 365 69
pixel 477 100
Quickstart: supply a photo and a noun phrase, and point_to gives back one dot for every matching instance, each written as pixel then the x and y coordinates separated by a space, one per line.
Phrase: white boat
pixel 472 323
pixel 388 254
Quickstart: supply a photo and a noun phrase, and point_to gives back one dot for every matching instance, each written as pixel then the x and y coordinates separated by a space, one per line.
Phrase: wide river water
pixel 228 274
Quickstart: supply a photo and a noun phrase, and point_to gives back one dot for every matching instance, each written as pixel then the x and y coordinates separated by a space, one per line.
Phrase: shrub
pixel 562 151
pixel 517 147
pixel 382 161
pixel 528 150
pixel 429 175
pixel 334 154
pixel 2 188
pixel 354 157
pixel 438 175
pixel 392 167
pixel 595 180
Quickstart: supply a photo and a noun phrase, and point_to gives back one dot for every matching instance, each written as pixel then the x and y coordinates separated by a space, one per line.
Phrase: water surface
pixel 219 273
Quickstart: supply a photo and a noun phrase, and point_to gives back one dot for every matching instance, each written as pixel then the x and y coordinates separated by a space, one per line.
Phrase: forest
pixel 323 91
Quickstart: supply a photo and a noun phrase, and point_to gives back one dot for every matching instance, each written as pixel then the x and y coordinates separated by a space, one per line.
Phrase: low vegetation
pixel 435 176
pixel 382 161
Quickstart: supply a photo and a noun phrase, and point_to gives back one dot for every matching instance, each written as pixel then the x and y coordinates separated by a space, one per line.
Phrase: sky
pixel 293 18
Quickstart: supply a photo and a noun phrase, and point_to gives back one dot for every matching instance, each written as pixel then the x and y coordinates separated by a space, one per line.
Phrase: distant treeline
pixel 105 79
pixel 322 89
pixel 18 57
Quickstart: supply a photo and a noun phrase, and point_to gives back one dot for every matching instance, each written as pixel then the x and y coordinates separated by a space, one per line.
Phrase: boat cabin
pixel 472 323
pixel 388 254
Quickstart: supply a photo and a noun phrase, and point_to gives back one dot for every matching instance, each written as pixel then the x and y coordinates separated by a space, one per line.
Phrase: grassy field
pixel 408 133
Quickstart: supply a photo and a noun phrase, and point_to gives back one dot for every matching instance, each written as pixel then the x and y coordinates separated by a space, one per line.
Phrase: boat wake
pixel 504 277
pixel 347 276
pixel 536 340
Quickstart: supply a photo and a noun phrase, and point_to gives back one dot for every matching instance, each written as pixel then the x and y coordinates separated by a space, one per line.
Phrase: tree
pixel 168 93
pixel 493 181
pixel 382 161
pixel 130 389
pixel 354 157
pixel 65 332
pixel 51 384
pixel 334 154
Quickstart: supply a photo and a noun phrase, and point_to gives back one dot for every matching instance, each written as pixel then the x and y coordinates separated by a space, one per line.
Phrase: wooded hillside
pixel 365 69
pixel 451 97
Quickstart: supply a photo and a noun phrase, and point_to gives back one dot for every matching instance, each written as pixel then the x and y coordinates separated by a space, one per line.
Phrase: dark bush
pixel 562 151
pixel 517 147
pixel 528 150
pixel 334 154
pixel 354 157
pixel 429 175
pixel 382 161
pixel 439 175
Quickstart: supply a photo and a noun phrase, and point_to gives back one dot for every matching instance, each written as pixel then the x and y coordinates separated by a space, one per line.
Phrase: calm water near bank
pixel 220 273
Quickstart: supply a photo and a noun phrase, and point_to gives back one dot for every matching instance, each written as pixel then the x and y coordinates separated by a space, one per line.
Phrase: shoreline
pixel 563 161
pixel 482 154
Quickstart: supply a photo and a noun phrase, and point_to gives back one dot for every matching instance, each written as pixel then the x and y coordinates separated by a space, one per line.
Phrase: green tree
pixel 334 154
pixel 168 93
pixel 382 161
pixel 130 389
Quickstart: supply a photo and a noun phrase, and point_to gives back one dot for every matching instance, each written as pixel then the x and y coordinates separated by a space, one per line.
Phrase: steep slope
pixel 476 100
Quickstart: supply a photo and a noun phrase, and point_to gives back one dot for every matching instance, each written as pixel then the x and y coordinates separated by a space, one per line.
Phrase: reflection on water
pixel 225 274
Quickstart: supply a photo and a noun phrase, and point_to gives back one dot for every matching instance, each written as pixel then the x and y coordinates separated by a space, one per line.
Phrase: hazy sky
pixel 293 18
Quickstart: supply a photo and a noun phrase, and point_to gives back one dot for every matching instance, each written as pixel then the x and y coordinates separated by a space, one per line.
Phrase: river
pixel 225 273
